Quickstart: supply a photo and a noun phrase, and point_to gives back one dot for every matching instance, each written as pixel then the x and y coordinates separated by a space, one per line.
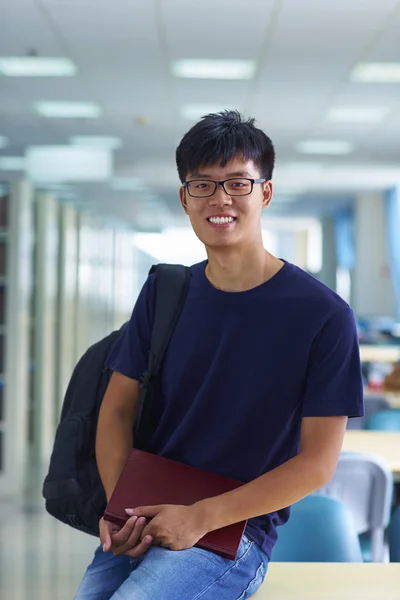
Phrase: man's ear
pixel 268 193
pixel 182 197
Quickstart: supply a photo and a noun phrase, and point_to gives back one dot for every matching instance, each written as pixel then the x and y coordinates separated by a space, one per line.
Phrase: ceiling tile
pixel 210 29
pixel 23 28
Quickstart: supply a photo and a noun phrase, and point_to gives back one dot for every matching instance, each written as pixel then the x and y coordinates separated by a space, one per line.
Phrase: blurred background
pixel 94 98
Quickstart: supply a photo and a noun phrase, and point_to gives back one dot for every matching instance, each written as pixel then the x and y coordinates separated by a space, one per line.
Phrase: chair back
pixel 320 529
pixel 384 420
pixel 394 536
pixel 365 484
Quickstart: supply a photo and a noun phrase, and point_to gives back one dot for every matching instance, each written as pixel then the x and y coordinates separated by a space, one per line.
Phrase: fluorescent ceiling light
pixel 333 147
pixel 34 66
pixel 302 167
pixel 127 184
pixel 61 190
pixel 287 190
pixel 193 112
pixel 69 196
pixel 3 141
pixel 57 187
pixel 214 69
pixel 285 197
pixel 377 73
pixel 341 176
pixel 60 164
pixel 12 163
pixel 68 110
pixel 357 114
pixel 110 143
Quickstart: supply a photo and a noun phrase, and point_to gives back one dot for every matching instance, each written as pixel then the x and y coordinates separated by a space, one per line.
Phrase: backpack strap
pixel 172 288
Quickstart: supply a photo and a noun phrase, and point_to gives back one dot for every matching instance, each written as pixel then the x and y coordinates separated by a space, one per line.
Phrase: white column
pixel 95 283
pixel 18 280
pixel 66 325
pixel 45 316
pixel 373 292
pixel 83 300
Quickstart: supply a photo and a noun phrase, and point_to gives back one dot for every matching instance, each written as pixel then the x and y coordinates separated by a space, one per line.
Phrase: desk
pixel 331 581
pixel 385 444
pixel 371 353
pixel 392 397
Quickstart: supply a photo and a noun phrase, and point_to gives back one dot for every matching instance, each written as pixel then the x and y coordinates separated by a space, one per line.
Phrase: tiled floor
pixel 40 559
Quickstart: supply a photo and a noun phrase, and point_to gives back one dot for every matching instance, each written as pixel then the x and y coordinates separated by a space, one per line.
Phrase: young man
pixel 260 376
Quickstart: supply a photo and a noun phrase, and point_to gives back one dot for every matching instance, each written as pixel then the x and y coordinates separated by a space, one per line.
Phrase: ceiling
pixel 304 50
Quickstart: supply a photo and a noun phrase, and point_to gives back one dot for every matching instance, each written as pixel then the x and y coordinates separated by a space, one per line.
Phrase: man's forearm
pixel 273 491
pixel 114 441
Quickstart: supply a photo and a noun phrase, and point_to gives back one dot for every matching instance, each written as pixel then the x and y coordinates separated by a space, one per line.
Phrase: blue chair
pixel 394 536
pixel 384 420
pixel 320 529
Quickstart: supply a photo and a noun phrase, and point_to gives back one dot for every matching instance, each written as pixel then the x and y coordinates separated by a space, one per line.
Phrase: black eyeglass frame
pixel 222 184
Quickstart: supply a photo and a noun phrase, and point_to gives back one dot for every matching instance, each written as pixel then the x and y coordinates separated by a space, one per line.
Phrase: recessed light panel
pixel 33 66
pixel 68 110
pixel 213 69
pixel 330 147
pixel 377 72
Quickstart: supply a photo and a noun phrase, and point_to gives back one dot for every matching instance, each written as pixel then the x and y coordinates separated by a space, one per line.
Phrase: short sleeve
pixel 129 356
pixel 334 379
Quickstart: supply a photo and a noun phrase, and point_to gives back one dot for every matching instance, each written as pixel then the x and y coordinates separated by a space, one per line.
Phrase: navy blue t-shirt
pixel 241 371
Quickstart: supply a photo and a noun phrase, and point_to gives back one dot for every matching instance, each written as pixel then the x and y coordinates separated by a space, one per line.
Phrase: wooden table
pixel 371 353
pixel 384 444
pixel 392 397
pixel 331 581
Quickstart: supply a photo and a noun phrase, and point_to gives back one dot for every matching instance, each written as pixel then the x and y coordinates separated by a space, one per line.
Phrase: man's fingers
pixel 140 548
pixel 136 534
pixel 131 541
pixel 144 511
pixel 122 536
pixel 106 529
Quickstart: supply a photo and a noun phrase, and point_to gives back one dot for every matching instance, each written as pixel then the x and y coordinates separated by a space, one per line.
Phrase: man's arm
pixel 314 466
pixel 114 442
pixel 114 437
pixel 179 527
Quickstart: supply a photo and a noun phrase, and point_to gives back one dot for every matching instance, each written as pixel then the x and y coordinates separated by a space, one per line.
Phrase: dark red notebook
pixel 148 480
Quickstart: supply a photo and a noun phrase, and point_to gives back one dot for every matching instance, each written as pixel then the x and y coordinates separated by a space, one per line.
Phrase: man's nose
pixel 220 197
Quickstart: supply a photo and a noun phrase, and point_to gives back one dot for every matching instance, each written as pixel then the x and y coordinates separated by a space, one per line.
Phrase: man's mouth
pixel 221 220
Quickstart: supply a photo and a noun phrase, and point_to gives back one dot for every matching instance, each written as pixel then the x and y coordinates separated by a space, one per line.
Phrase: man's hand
pixel 124 540
pixel 171 526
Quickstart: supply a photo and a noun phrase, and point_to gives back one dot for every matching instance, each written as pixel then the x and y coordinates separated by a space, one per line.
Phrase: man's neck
pixel 233 271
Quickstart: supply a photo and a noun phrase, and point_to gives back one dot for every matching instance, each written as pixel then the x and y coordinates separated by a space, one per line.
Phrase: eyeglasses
pixel 204 188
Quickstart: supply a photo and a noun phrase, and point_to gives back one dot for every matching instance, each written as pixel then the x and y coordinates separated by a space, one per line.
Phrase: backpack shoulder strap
pixel 172 288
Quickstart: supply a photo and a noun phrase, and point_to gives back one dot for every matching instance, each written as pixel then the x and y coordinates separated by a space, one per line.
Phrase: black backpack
pixel 72 488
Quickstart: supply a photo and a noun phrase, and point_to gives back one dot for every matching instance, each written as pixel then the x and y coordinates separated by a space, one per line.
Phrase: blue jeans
pixel 163 574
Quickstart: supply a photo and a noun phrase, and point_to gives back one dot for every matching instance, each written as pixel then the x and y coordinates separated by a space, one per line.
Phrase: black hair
pixel 219 138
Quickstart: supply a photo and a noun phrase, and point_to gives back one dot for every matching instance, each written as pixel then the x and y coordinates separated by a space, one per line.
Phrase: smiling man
pixel 260 376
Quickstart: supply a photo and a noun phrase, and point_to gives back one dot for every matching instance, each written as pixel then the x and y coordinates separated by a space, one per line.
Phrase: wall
pixel 373 292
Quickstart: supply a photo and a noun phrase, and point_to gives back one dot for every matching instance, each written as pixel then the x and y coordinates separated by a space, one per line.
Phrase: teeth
pixel 221 220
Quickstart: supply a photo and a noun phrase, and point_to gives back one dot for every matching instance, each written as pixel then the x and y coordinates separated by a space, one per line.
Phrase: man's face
pixel 226 219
